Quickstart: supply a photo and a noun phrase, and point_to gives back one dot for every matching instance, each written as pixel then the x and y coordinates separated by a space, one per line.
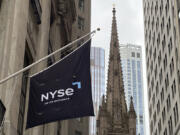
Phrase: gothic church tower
pixel 113 117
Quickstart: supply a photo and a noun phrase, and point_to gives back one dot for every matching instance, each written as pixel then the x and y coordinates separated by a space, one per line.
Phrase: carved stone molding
pixel 111 57
pixel 37 10
pixel 116 73
pixel 61 7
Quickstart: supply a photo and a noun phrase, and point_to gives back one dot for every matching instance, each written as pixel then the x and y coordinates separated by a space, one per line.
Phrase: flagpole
pixel 44 58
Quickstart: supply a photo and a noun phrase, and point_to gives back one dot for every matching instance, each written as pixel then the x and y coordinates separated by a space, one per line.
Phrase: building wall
pixel 131 60
pixel 85 14
pixel 98 83
pixel 28 33
pixel 161 26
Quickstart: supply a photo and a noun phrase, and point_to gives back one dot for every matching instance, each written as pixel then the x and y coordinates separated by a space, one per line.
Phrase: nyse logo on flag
pixel 58 95
pixel 63 91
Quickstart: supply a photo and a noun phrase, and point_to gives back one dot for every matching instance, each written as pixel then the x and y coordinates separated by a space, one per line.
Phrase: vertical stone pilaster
pixel 42 50
pixel 12 38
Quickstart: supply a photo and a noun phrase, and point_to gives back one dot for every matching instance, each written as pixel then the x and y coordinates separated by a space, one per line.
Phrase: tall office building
pixel 131 60
pixel 98 82
pixel 30 30
pixel 161 28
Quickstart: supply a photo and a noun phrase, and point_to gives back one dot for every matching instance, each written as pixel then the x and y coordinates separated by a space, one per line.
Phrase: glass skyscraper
pixel 131 60
pixel 98 82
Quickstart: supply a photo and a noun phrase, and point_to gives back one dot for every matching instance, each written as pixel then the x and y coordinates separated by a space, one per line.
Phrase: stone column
pixel 12 41
pixel 42 50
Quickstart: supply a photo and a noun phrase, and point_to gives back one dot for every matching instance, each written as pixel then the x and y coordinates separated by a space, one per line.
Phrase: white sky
pixel 129 17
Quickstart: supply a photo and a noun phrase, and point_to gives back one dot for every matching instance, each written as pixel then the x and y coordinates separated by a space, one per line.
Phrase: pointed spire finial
pixel 131 109
pixel 132 113
pixel 114 10
pixel 113 5
pixel 131 98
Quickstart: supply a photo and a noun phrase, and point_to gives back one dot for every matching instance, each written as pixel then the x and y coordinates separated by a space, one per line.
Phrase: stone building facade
pixel 162 43
pixel 29 30
pixel 113 117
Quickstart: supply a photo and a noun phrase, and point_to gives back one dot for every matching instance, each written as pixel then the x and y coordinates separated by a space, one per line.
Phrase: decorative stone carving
pixel 62 7
pixel 116 73
pixel 37 10
pixel 111 57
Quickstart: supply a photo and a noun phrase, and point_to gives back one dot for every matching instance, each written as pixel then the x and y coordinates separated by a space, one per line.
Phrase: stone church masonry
pixel 113 117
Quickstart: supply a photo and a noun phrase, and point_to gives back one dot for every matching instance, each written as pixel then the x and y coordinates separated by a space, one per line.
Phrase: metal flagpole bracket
pixel 44 58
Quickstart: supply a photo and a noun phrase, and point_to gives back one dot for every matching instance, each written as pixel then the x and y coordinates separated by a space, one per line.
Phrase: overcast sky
pixel 129 17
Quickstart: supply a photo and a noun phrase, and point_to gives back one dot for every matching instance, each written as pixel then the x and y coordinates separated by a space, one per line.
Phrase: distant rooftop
pixel 132 46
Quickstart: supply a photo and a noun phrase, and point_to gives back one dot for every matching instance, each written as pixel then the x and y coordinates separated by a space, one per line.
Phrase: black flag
pixel 63 91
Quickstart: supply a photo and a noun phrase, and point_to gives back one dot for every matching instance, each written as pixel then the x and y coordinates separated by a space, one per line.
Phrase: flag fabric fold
pixel 63 91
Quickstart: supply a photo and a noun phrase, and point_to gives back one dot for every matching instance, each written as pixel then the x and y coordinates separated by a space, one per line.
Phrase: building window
pixel 154 117
pixel 159 58
pixel 154 55
pixel 165 62
pixel 164 114
pixel 157 88
pixel 133 54
pixel 81 5
pixel 176 115
pixel 151 127
pixel 170 126
pixel 138 55
pixel 150 110
pixel 162 25
pixel 155 132
pixel 158 40
pixel 158 107
pixel 178 76
pixel 160 76
pixel 159 126
pixel 173 88
pixel 81 23
pixel 176 55
pixel 153 38
pixel 164 43
pixel 166 82
pixel 157 23
pixel 162 95
pixel 165 131
pixel 168 103
pixel 155 73
pixel 153 99
pixel 152 83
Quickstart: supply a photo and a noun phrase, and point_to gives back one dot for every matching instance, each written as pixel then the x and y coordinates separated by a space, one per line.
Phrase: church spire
pixel 132 112
pixel 116 104
pixel 113 118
